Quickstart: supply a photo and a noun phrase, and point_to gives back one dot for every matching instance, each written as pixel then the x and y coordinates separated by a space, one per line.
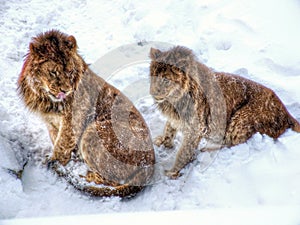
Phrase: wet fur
pixel 92 119
pixel 225 109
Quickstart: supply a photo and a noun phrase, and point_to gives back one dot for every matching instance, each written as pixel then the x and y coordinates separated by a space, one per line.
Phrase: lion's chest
pixel 53 120
pixel 53 123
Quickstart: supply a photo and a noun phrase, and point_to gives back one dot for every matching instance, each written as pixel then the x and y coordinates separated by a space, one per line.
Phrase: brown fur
pixel 223 108
pixel 86 115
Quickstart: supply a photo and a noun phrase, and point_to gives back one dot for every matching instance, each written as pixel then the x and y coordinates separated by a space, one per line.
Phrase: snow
pixel 269 216
pixel 257 39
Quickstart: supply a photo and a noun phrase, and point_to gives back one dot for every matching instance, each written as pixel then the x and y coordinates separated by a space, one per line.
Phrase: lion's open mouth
pixel 61 96
pixel 158 99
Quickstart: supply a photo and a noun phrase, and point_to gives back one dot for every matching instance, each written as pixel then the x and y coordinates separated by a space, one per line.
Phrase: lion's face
pixel 52 69
pixel 167 82
pixel 55 81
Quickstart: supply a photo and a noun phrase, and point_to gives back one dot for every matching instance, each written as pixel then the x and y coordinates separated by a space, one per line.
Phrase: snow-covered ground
pixel 257 39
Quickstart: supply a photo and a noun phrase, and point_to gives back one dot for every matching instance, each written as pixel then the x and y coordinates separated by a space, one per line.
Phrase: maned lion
pixel 86 115
pixel 223 108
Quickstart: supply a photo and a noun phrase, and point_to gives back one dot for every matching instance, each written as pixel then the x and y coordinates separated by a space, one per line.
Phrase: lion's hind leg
pixel 241 127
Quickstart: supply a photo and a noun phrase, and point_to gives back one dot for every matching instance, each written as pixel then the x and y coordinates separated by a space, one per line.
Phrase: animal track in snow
pixel 223 45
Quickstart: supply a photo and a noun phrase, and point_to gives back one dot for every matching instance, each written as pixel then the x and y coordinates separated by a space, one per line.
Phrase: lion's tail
pixel 126 190
pixel 121 191
pixel 295 125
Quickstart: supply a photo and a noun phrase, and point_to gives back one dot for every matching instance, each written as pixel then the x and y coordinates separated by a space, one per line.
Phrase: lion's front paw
pixel 172 174
pixel 166 142
pixel 62 157
pixel 158 141
pixel 52 164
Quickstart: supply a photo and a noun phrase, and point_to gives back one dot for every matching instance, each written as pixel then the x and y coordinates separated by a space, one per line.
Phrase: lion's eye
pixel 53 73
pixel 166 81
pixel 70 73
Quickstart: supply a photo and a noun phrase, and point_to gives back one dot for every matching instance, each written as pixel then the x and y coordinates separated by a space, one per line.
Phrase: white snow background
pixel 257 39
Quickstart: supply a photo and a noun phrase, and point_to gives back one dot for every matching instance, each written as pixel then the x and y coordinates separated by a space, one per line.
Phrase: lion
pixel 86 116
pixel 223 109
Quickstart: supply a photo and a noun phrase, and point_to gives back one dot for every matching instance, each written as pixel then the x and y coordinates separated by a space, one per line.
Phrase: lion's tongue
pixel 61 96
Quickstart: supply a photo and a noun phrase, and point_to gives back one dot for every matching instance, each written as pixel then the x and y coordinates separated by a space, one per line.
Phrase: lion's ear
pixel 71 42
pixel 154 53
pixel 32 48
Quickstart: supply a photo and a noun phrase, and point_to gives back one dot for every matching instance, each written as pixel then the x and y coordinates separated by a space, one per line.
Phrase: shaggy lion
pixel 86 115
pixel 224 109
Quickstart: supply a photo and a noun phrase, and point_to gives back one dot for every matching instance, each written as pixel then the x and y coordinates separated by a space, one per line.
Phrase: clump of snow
pixel 256 39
